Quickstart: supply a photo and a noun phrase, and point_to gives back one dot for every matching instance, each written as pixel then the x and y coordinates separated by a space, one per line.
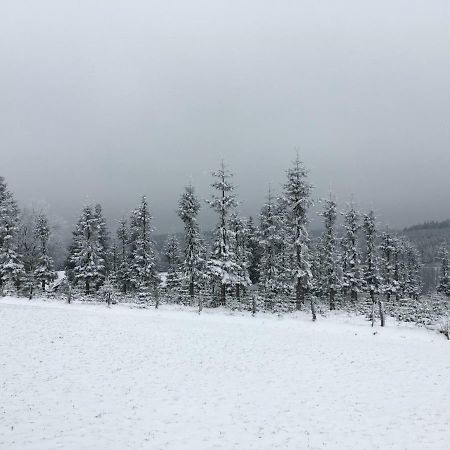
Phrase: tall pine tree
pixel 44 272
pixel 143 275
pixel 297 192
pixel 188 209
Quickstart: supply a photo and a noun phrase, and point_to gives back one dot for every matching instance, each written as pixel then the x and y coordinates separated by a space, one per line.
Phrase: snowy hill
pixel 84 376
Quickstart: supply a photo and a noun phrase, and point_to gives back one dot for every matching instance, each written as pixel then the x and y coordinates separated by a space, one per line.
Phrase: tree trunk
pixel 380 306
pixel 372 296
pixel 354 297
pixel 253 305
pixel 87 287
pixel 299 295
pixel 238 291
pixel 223 293
pixel 156 299
pixel 313 308
pixel 191 289
pixel 332 302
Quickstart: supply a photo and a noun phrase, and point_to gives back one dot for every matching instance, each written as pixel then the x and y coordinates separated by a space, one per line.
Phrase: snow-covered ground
pixel 87 377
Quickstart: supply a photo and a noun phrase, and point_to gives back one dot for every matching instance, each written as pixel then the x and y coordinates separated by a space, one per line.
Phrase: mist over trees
pixel 272 263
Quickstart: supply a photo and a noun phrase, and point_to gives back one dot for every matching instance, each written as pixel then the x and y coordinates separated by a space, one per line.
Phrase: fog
pixel 105 101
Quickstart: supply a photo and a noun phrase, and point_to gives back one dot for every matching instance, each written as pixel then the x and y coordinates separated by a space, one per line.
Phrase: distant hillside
pixel 428 238
pixel 433 225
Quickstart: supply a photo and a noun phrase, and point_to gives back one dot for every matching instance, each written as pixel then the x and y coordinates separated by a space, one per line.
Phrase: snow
pixel 84 376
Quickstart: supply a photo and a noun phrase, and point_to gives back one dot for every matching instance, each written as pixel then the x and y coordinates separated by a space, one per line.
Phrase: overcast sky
pixel 108 100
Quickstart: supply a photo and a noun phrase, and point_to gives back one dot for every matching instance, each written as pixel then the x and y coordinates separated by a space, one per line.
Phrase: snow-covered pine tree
pixel 284 256
pixel 372 277
pixel 143 275
pixel 329 271
pixel 297 192
pixel 172 254
pixel 123 257
pixel 255 251
pixel 269 242
pixel 413 285
pixel 352 280
pixel 222 267
pixel 44 272
pixel 399 265
pixel 11 266
pixel 27 247
pixel 387 248
pixel 319 278
pixel 193 263
pixel 240 245
pixel 88 263
pixel 444 276
pixel 103 239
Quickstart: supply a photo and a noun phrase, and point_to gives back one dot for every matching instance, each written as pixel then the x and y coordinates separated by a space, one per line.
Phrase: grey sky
pixel 106 100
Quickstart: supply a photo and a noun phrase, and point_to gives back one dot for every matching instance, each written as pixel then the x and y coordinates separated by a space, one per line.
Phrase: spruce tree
pixel 352 276
pixel 444 276
pixel 297 192
pixel 188 210
pixel 254 251
pixel 387 248
pixel 88 252
pixel 103 239
pixel 143 275
pixel 172 254
pixel 371 275
pixel 11 266
pixel 269 243
pixel 43 273
pixel 123 257
pixel 328 246
pixel 222 266
pixel 413 272
pixel 27 247
pixel 240 245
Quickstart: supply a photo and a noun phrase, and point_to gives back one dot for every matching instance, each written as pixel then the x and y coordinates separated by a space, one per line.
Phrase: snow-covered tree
pixel 143 275
pixel 444 276
pixel 87 257
pixel 222 266
pixel 297 193
pixel 269 241
pixel 44 272
pixel 371 271
pixel 103 239
pixel 193 263
pixel 254 251
pixel 122 276
pixel 352 280
pixel 330 273
pixel 371 275
pixel 27 247
pixel 172 254
pixel 387 248
pixel 11 266
pixel 240 245
pixel 285 256
pixel 413 283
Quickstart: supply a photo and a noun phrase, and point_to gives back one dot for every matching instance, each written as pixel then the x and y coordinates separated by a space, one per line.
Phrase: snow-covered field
pixel 87 377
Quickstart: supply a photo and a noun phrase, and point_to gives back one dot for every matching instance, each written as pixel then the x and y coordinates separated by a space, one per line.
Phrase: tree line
pixel 273 261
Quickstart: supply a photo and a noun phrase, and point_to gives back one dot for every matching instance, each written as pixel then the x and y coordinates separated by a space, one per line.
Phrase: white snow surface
pixel 84 376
